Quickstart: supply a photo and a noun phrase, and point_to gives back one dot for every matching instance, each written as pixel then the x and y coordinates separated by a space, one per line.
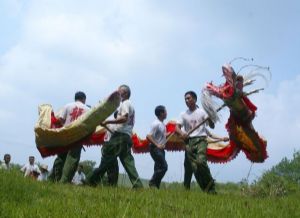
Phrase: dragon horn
pixel 240 58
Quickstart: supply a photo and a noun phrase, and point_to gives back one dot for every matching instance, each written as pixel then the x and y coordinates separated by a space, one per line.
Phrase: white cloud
pixel 61 41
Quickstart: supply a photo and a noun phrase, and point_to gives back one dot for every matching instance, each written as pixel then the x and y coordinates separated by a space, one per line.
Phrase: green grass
pixel 21 197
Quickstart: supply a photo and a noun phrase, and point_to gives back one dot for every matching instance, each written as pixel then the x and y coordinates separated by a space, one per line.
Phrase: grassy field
pixel 21 197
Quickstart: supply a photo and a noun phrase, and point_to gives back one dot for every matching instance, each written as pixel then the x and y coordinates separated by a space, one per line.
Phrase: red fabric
pixel 249 104
pixel 139 145
pixel 224 155
pixel 55 123
pixel 171 127
pixel 226 91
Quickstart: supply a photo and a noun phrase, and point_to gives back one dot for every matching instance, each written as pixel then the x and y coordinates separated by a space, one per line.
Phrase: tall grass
pixel 20 197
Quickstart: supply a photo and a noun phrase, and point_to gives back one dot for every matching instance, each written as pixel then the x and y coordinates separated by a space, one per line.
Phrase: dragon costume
pixel 52 139
pixel 242 111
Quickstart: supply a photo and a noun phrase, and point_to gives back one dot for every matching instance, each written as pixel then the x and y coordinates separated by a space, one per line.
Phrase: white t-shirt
pixel 189 119
pixel 126 108
pixel 28 169
pixel 5 167
pixel 78 178
pixel 72 111
pixel 158 132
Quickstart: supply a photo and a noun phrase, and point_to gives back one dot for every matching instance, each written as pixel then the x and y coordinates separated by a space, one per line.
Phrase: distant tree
pixel 16 166
pixel 289 169
pixel 280 180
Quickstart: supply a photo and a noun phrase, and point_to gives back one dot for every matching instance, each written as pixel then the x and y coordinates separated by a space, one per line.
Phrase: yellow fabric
pixel 174 138
pixel 77 130
pixel 215 145
pixel 245 140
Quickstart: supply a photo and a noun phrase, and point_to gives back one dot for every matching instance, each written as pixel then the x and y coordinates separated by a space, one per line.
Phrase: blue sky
pixel 51 49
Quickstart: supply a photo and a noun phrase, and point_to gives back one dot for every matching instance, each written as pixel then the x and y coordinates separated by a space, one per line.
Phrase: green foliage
pixel 289 169
pixel 270 185
pixel 281 180
pixel 15 166
pixel 275 194
pixel 23 197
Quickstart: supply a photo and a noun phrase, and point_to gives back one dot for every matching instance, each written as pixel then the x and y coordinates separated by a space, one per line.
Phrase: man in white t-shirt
pixel 120 143
pixel 65 164
pixel 6 164
pixel 158 137
pixel 31 169
pixel 196 144
pixel 79 177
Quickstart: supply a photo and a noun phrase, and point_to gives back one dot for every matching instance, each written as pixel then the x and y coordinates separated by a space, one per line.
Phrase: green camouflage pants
pixel 119 145
pixel 65 166
pixel 196 162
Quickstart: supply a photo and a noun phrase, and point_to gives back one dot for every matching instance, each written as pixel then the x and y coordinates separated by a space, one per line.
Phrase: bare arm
pixel 170 133
pixel 182 134
pixel 61 121
pixel 152 141
pixel 120 119
pixel 23 169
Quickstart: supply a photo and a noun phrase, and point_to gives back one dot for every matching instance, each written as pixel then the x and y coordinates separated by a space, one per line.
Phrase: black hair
pixel 6 155
pixel 159 110
pixel 127 89
pixel 239 77
pixel 80 96
pixel 192 93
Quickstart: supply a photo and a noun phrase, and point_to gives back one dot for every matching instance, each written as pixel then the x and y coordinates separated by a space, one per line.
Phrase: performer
pixel 6 165
pixel 31 169
pixel 157 138
pixel 196 144
pixel 120 142
pixel 79 177
pixel 65 165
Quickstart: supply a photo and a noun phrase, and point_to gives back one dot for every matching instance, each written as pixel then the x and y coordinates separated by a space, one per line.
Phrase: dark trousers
pixel 195 162
pixel 65 166
pixel 119 145
pixel 160 165
pixel 113 174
